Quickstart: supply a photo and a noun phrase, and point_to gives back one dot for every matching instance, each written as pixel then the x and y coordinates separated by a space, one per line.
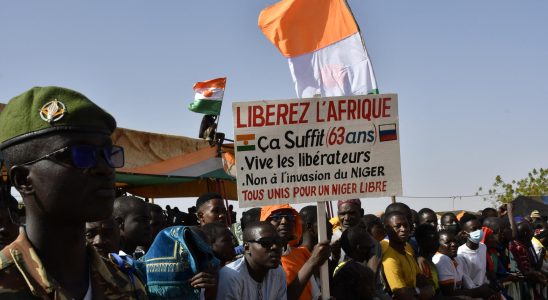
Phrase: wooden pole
pixel 393 199
pixel 322 236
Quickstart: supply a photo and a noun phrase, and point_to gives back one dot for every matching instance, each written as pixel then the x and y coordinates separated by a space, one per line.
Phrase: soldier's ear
pixel 20 179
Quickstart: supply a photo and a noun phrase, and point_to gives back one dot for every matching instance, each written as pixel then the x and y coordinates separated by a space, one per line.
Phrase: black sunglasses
pixel 267 243
pixel 278 217
pixel 86 156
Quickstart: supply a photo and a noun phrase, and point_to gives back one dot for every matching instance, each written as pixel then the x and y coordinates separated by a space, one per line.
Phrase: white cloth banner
pixel 342 68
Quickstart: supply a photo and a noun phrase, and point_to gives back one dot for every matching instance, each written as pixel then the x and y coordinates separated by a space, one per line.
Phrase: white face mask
pixel 475 236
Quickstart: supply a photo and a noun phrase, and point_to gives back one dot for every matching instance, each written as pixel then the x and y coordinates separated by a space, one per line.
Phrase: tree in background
pixel 535 184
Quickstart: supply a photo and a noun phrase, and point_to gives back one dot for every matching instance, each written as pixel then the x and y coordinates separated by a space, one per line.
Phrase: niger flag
pixel 323 44
pixel 209 96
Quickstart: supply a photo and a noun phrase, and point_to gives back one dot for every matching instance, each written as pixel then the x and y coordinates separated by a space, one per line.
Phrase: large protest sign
pixel 317 149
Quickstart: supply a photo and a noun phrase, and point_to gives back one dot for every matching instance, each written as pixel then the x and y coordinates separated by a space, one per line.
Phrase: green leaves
pixel 535 184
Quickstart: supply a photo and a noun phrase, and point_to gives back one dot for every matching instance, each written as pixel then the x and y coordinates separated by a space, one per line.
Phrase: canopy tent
pixel 523 206
pixel 164 166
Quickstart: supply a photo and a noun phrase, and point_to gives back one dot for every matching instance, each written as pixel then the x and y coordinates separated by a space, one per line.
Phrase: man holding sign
pixel 299 264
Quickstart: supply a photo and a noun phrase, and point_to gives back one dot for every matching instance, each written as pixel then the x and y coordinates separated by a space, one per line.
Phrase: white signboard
pixel 317 149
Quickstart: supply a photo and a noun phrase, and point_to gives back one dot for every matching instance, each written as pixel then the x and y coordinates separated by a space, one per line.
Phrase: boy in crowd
pixel 374 226
pixel 309 218
pixel 211 208
pixel 449 222
pixel 411 243
pixel 352 279
pixel 133 217
pixel 220 239
pixel 428 241
pixel 158 220
pixel 489 212
pixel 428 216
pixel 473 253
pixel 399 266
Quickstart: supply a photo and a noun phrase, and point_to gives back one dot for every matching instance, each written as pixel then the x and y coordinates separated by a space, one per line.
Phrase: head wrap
pixel 350 201
pixel 266 211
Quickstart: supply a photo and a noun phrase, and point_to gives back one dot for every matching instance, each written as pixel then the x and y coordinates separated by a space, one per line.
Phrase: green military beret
pixel 43 110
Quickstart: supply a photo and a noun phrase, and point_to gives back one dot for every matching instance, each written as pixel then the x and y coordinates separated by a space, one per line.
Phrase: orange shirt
pixel 292 262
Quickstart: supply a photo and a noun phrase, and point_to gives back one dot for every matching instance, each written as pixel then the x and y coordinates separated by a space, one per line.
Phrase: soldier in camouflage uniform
pixel 57 147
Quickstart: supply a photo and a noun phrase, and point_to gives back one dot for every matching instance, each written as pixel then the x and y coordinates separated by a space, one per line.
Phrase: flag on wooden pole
pixel 209 96
pixel 324 47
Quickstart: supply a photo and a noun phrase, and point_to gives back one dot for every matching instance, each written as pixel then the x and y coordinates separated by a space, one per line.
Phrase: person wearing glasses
pixel 59 155
pixel 258 274
pixel 299 264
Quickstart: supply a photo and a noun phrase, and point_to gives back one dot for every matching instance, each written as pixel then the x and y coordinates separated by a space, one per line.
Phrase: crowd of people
pixel 77 240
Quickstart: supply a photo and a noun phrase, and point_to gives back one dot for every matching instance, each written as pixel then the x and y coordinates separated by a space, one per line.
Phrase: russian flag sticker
pixel 387 132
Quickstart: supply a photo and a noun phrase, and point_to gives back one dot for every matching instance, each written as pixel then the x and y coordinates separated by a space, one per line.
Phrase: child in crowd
pixel 220 239
pixel 352 279
pixel 428 242
pixel 374 226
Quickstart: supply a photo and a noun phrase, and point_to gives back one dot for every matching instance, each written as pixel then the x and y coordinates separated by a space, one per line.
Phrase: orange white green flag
pixel 209 96
pixel 323 45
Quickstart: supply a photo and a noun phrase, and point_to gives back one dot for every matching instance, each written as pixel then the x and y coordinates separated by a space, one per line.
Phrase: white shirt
pixel 447 271
pixel 474 266
pixel 236 283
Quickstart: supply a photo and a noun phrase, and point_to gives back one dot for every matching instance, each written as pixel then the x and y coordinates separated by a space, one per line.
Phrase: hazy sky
pixel 471 75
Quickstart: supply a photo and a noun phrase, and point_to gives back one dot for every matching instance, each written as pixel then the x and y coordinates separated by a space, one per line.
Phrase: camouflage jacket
pixel 22 276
